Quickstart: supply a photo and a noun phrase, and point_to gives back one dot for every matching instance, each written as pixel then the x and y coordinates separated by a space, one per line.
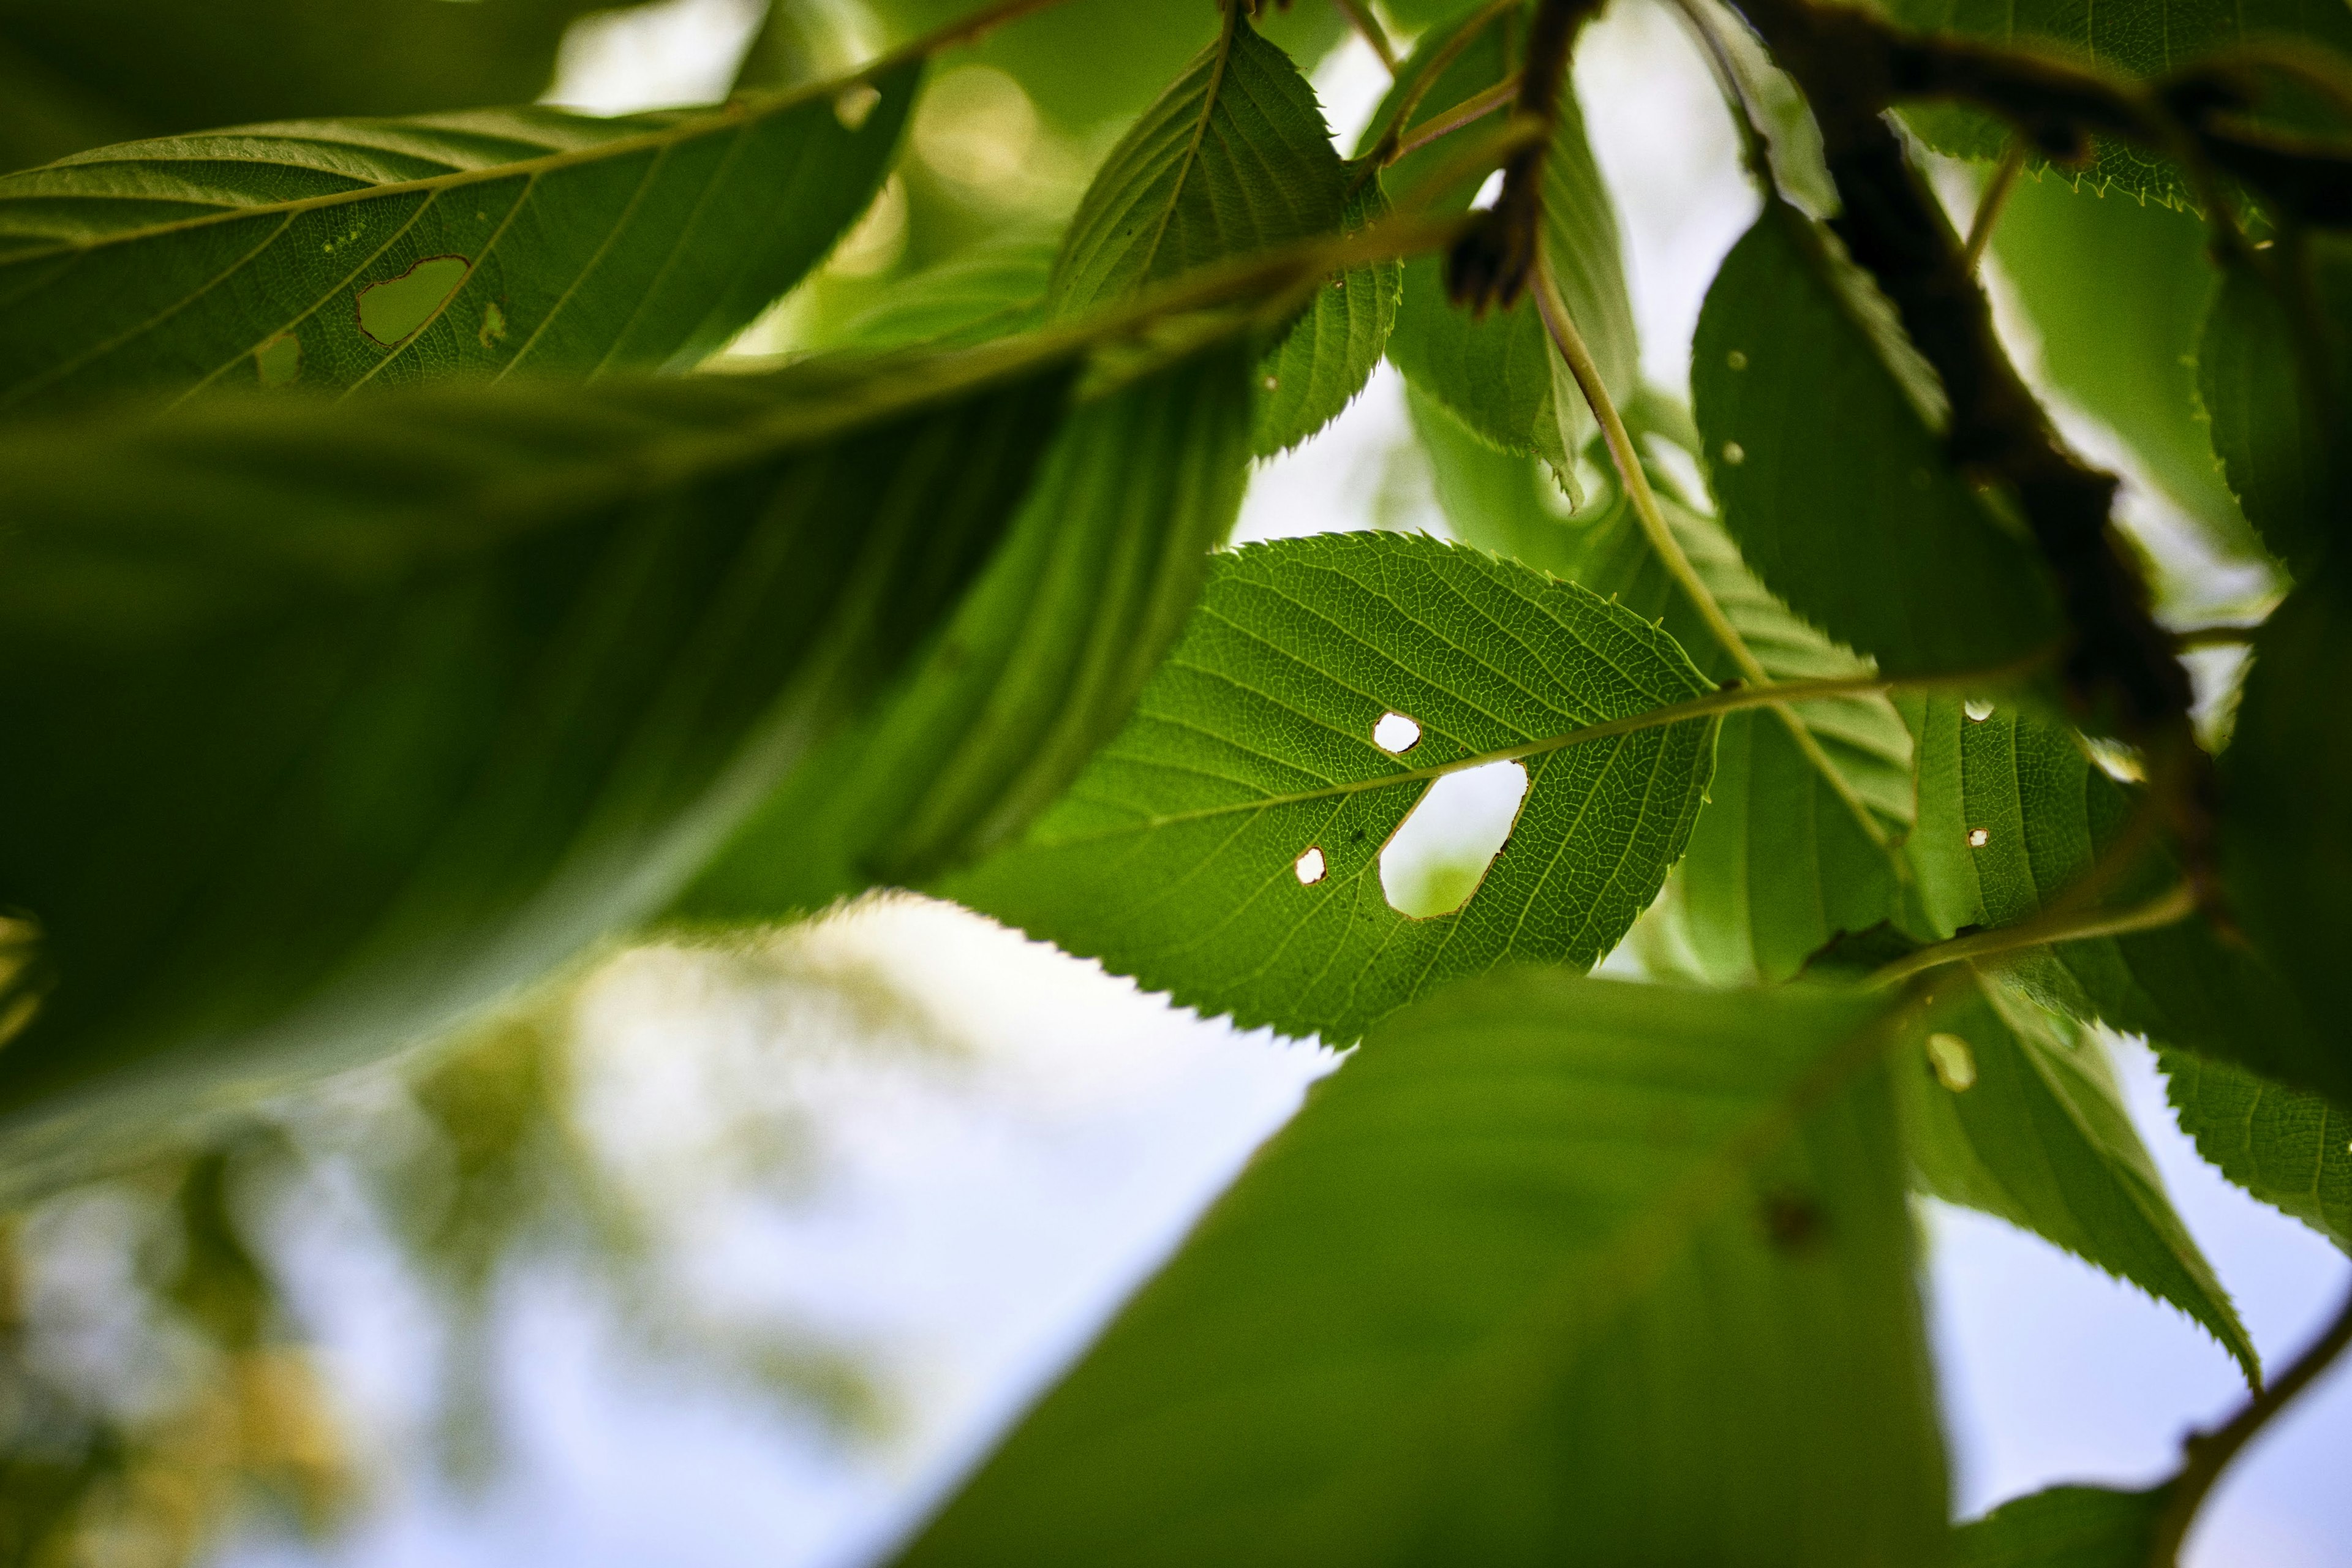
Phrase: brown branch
pixel 1492 262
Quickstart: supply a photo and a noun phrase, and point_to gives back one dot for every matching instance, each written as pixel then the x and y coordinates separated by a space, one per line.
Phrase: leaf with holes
pixel 1819 427
pixel 335 722
pixel 2292 1150
pixel 1500 374
pixel 1040 666
pixel 1553 1269
pixel 2012 814
pixel 1809 802
pixel 337 254
pixel 2009 1110
pixel 1227 846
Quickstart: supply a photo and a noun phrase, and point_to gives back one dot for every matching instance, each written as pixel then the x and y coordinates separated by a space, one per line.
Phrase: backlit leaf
pixel 1553 1269
pixel 2292 1150
pixel 2063 1527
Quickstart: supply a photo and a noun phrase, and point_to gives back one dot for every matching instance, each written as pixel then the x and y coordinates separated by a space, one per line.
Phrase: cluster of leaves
pixel 386 618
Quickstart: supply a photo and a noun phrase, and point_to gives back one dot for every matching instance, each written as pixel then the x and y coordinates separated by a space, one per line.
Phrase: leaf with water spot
pixel 330 724
pixel 2009 1110
pixel 1819 428
pixel 1553 1269
pixel 2292 1150
pixel 1178 856
pixel 391 252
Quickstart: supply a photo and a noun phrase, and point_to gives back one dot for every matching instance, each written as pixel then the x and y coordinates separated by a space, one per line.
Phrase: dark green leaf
pixel 1552 1271
pixel 1819 426
pixel 334 254
pixel 332 724
pixel 2008 1110
pixel 1328 356
pixel 1226 846
pixel 2064 1527
pixel 1041 665
pixel 2292 1150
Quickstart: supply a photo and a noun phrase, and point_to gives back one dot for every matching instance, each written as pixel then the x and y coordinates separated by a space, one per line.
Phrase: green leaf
pixel 2137 38
pixel 2063 1527
pixel 1500 374
pixel 992 290
pixel 2286 847
pixel 1233 158
pixel 153 68
pixel 1801 838
pixel 2046 812
pixel 1328 355
pixel 2279 384
pixel 2116 289
pixel 2292 1150
pixel 1553 1269
pixel 1820 426
pixel 333 723
pixel 2008 1110
pixel 1041 665
pixel 1226 846
pixel 337 254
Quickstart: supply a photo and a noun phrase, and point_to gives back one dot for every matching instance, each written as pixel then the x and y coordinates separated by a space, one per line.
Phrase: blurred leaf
pixel 2063 1527
pixel 1226 846
pixel 1819 428
pixel 2009 1110
pixel 2279 384
pixel 343 720
pixel 2046 812
pixel 990 291
pixel 1553 1269
pixel 2117 289
pixel 336 253
pixel 153 68
pixel 1038 667
pixel 2292 1150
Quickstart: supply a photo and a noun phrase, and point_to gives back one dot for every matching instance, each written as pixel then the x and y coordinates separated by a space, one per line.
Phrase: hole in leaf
pixel 1396 734
pixel 1440 855
pixel 1954 1062
pixel 399 307
pixel 1487 192
pixel 1977 709
pixel 1310 868
pixel 853 105
pixel 1734 453
pixel 1978 837
pixel 279 360
pixel 494 326
pixel 1735 360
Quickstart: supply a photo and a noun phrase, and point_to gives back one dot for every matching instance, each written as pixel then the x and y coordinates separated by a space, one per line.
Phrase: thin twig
pixel 1416 87
pixel 2174 906
pixel 2207 1454
pixel 1468 111
pixel 1369 26
pixel 1990 206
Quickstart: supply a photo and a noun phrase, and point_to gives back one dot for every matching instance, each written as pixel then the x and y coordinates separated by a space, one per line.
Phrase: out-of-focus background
pixel 723 1253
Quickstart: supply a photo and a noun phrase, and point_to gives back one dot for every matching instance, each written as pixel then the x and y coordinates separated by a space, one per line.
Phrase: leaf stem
pixel 1470 109
pixel 2205 1454
pixel 1369 26
pixel 2056 925
pixel 1990 206
pixel 1385 150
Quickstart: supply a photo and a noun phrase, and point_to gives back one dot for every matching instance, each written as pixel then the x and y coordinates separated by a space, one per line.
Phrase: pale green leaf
pixel 2292 1150
pixel 992 290
pixel 1821 443
pixel 333 722
pixel 1551 1271
pixel 2044 811
pixel 1041 665
pixel 2063 1527
pixel 2008 1110
pixel 1226 846
pixel 337 254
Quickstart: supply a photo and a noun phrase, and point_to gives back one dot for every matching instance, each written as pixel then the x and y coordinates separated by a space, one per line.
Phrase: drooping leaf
pixel 1226 846
pixel 2012 814
pixel 1330 352
pixel 152 67
pixel 1553 1269
pixel 2063 1527
pixel 1500 374
pixel 337 254
pixel 2138 38
pixel 2009 1110
pixel 2117 289
pixel 2292 1150
pixel 1040 666
pixel 1819 427
pixel 328 724
pixel 2287 844
pixel 1808 803
pixel 2278 383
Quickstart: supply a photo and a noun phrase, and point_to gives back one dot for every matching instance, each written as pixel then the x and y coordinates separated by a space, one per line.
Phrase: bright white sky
pixel 977 1187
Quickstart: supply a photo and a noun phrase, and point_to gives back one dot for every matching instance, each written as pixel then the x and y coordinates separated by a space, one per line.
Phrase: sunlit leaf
pixel 2292 1150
